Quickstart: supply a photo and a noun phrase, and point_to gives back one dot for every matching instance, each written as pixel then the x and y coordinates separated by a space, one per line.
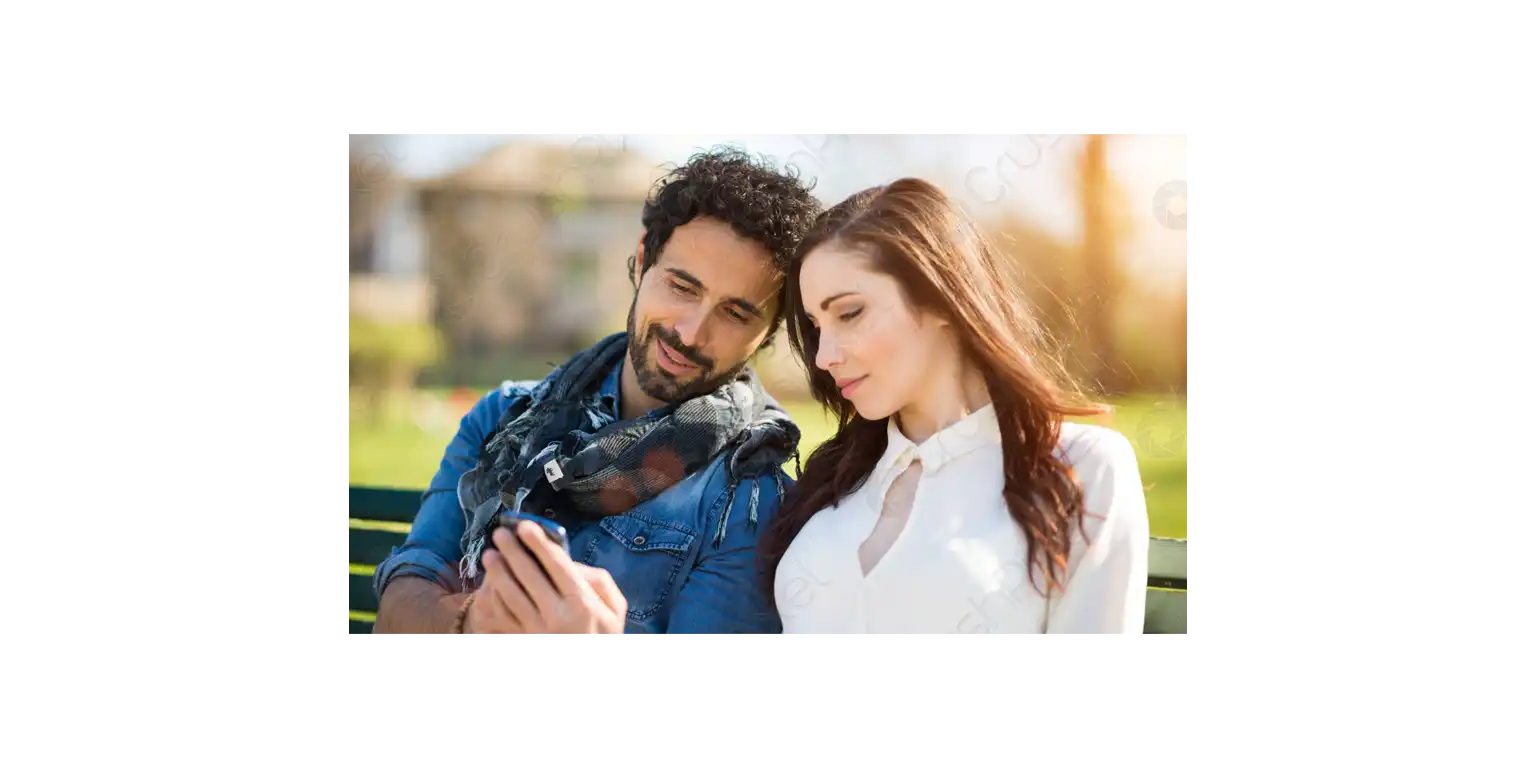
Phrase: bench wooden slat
pixel 392 504
pixel 371 547
pixel 1166 561
pixel 1166 613
pixel 362 597
pixel 1165 558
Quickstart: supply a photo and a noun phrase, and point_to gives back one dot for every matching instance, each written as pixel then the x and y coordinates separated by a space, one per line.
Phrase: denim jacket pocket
pixel 644 556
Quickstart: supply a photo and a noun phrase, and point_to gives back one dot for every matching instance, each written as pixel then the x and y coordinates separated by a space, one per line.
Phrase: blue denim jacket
pixel 662 553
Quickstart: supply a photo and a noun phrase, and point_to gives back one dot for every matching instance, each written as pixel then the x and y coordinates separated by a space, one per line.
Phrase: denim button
pixel 639 540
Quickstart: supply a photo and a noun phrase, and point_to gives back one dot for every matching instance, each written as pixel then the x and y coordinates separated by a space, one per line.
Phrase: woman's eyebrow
pixel 835 297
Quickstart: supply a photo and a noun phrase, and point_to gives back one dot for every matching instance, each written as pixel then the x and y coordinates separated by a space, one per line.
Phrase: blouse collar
pixel 976 430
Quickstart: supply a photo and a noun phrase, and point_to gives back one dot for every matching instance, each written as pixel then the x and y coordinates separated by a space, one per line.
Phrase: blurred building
pixel 386 262
pixel 515 257
pixel 526 246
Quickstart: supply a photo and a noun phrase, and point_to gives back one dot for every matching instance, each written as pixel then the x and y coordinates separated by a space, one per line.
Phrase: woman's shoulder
pixel 1104 465
pixel 1093 451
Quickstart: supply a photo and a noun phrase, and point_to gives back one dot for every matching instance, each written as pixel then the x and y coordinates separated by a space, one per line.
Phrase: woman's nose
pixel 828 354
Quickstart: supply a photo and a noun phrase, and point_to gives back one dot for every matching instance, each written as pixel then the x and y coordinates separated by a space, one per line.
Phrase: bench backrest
pixel 381 517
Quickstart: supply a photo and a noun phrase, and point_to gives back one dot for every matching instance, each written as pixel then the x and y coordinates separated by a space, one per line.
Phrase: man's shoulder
pixel 488 411
pixel 704 490
pixel 1091 449
pixel 716 483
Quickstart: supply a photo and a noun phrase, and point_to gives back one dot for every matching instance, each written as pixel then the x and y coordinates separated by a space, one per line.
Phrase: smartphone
pixel 554 530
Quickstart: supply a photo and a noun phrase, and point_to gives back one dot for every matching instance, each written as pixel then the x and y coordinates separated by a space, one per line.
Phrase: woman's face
pixel 878 347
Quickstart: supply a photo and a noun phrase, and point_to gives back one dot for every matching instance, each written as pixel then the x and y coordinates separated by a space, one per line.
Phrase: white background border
pixel 1359 442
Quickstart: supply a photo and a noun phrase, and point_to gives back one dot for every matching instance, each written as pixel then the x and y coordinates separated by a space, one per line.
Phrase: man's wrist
pixel 461 615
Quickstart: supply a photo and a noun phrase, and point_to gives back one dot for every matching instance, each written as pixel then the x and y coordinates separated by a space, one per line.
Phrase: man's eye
pixel 680 289
pixel 737 316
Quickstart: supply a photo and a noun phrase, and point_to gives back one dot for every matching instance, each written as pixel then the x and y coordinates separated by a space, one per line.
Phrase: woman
pixel 954 496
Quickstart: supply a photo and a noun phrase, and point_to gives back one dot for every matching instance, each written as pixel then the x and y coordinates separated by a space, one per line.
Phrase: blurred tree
pixel 1183 335
pixel 1049 272
pixel 386 358
pixel 1104 223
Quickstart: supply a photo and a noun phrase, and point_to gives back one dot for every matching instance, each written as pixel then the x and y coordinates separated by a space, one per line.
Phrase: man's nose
pixel 691 329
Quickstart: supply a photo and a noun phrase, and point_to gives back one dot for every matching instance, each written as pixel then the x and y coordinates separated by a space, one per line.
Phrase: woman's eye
pixel 845 317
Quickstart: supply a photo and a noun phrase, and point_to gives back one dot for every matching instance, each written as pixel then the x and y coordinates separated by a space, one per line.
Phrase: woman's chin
pixel 870 411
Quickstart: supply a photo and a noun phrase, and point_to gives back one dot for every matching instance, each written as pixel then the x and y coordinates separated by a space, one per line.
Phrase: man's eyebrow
pixel 746 306
pixel 686 277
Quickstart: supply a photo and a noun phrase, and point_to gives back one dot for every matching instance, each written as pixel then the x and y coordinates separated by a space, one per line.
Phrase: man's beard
pixel 657 382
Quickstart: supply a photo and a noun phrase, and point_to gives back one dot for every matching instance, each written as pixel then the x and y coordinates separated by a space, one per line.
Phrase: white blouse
pixel 958 562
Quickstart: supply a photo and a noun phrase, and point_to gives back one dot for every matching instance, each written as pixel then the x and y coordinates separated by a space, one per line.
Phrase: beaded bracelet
pixel 458 620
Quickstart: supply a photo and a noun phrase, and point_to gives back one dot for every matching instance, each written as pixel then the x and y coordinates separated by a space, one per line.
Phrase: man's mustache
pixel 676 343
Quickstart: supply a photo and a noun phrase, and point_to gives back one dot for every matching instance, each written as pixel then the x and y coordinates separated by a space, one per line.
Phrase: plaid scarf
pixel 551 453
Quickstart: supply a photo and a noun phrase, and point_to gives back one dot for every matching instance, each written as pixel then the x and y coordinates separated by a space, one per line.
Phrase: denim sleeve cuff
pixel 415 561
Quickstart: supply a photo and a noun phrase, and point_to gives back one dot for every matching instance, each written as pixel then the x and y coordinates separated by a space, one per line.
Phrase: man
pixel 657 449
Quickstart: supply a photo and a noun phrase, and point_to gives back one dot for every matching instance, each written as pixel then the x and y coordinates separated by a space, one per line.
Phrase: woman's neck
pixel 946 400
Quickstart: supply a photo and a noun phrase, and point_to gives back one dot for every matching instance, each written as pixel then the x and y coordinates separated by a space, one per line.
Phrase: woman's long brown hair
pixel 945 266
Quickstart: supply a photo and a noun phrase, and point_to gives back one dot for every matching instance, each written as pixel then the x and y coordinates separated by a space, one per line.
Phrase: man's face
pixel 701 310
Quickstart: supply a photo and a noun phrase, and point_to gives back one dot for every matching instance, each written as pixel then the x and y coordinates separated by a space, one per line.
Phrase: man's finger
pixel 489 617
pixel 527 573
pixel 602 583
pixel 562 571
pixel 507 593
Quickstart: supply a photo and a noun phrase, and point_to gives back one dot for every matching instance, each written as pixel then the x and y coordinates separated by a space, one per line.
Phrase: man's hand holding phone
pixel 533 586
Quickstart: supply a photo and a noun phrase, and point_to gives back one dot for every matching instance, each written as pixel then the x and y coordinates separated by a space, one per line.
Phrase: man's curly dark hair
pixel 759 202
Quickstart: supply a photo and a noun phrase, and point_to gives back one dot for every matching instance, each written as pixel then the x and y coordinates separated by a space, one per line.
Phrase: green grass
pixel 394 451
pixel 403 446
pixel 1156 428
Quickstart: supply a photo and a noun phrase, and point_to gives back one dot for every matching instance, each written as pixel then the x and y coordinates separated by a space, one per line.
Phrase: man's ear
pixel 639 261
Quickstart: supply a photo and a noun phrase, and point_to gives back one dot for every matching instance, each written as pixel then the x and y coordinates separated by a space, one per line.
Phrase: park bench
pixel 381 517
